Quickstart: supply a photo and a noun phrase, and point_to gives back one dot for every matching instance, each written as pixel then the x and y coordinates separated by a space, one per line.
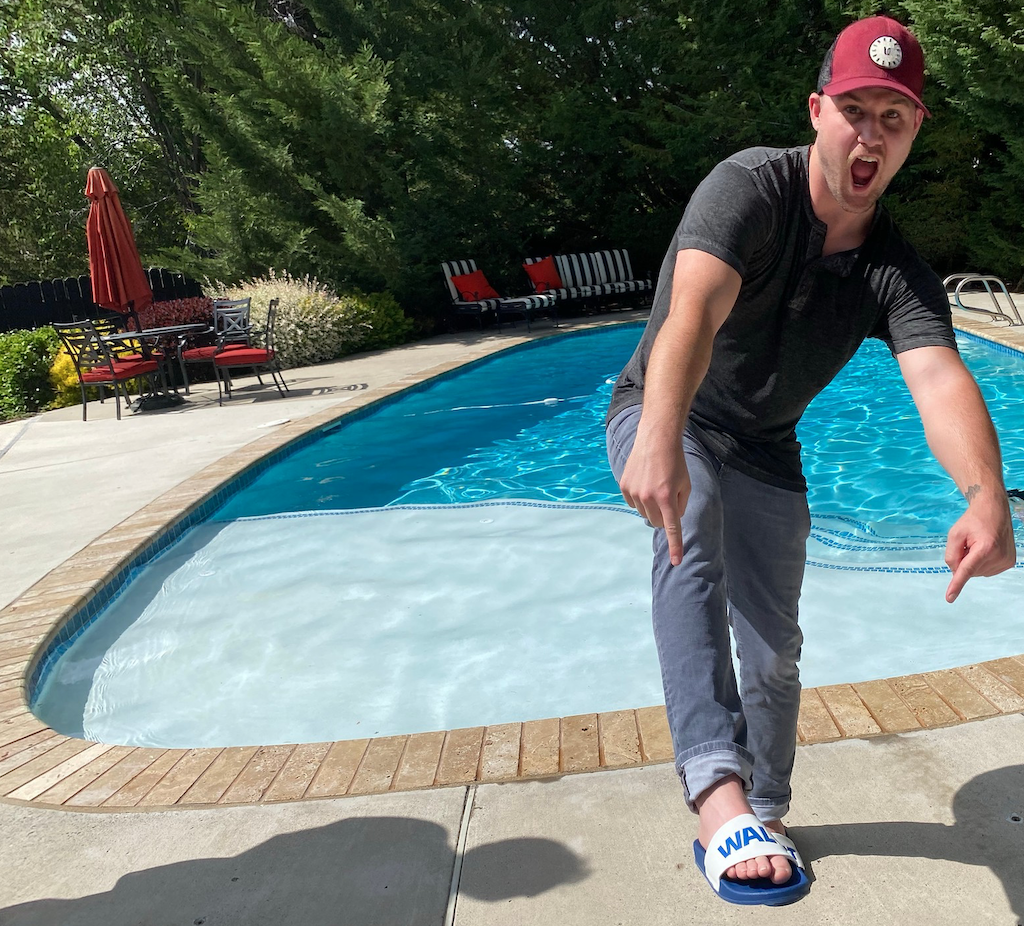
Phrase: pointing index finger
pixel 674 535
pixel 964 570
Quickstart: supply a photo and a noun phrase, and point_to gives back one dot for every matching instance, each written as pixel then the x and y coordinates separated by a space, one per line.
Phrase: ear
pixel 814 107
pixel 918 120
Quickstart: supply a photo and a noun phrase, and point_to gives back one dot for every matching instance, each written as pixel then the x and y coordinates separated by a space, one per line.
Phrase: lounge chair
pixel 471 294
pixel 586 276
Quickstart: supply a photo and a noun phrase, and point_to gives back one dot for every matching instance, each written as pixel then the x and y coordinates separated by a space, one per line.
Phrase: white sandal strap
pixel 740 839
pixel 794 856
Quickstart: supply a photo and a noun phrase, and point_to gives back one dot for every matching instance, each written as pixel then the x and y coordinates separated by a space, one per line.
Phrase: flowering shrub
pixel 189 311
pixel 315 324
pixel 64 381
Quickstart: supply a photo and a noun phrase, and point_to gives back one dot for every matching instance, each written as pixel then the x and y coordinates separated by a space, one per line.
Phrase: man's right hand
pixel 655 480
pixel 656 483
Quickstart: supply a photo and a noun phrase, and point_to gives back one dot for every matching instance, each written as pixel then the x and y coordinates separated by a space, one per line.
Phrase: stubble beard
pixel 835 175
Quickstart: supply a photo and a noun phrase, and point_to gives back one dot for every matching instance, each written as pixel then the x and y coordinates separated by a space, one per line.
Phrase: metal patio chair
pixel 97 362
pixel 231 331
pixel 231 355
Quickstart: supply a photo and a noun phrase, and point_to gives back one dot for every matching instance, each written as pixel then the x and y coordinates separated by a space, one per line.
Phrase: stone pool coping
pixel 41 767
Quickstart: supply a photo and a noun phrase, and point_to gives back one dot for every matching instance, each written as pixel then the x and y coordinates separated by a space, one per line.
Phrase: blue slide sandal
pixel 742 838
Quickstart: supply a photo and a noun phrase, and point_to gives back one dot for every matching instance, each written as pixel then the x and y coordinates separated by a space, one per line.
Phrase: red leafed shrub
pixel 188 311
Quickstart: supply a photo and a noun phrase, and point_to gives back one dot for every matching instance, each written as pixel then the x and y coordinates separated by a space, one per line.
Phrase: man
pixel 782 265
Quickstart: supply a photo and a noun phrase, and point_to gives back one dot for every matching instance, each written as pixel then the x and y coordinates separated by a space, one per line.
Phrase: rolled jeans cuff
pixel 700 767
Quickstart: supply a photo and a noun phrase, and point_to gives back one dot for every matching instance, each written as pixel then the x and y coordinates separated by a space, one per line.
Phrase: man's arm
pixel 961 435
pixel 655 481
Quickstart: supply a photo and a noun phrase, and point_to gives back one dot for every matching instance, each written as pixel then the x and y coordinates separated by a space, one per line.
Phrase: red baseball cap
pixel 874 52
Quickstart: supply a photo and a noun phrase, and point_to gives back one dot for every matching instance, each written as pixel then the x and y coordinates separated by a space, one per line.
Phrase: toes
pixel 737 872
pixel 746 871
pixel 775 867
pixel 781 870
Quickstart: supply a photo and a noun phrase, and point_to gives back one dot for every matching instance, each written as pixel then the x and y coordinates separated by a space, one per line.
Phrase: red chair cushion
pixel 245 357
pixel 474 286
pixel 121 371
pixel 206 353
pixel 544 275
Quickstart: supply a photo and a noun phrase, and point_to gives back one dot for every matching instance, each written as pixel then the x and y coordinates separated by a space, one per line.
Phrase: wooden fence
pixel 31 305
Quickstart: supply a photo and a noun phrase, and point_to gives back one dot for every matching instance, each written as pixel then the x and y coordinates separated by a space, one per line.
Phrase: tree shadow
pixel 361 872
pixel 988 831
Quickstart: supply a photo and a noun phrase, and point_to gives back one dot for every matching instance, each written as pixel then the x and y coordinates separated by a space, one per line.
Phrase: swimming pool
pixel 487 512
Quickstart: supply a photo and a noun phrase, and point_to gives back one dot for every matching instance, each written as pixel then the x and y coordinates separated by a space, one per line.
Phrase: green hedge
pixel 25 360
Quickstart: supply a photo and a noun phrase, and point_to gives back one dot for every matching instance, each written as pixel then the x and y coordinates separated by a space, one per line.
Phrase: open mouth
pixel 863 171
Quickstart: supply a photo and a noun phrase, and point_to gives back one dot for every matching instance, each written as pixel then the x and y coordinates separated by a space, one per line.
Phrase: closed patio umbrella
pixel 115 268
pixel 114 264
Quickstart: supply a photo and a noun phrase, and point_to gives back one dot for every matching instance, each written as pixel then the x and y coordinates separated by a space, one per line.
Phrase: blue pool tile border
pixel 988 342
pixel 459 506
pixel 908 569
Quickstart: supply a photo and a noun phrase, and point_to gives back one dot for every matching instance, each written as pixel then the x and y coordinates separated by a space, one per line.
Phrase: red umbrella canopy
pixel 114 263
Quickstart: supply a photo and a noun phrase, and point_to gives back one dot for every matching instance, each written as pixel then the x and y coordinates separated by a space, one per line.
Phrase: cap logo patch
pixel 885 51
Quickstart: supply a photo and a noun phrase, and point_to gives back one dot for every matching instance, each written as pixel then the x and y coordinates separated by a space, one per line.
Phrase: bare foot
pixel 718 805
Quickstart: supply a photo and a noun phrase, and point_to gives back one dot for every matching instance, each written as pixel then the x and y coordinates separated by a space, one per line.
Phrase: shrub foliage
pixel 189 311
pixel 314 323
pixel 25 360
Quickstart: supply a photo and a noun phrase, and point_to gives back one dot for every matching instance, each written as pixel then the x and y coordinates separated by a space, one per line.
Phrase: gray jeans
pixel 744 545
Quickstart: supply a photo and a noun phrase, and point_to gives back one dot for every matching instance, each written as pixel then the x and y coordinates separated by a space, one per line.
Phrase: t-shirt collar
pixel 843 262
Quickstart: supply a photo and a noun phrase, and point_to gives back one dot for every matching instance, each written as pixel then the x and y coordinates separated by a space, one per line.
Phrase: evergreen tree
pixel 975 51
pixel 290 135
pixel 642 99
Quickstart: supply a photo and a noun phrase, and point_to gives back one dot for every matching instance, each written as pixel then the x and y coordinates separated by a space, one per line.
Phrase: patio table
pixel 167 338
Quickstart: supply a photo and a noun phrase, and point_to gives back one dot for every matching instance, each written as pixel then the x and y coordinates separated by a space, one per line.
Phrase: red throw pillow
pixel 474 286
pixel 544 275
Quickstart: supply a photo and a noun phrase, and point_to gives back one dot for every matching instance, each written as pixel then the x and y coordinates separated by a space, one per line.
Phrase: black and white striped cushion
pixel 455 268
pixel 614 266
pixel 576 270
pixel 540 301
pixel 595 273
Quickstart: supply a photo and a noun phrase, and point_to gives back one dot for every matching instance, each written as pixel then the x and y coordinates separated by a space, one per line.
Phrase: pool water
pixel 526 424
pixel 530 425
pixel 461 556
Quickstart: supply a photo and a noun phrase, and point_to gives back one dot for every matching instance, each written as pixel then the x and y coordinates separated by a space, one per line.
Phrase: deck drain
pixel 1015 818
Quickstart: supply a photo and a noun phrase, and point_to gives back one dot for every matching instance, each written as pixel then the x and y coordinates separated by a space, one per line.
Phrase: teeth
pixel 867 158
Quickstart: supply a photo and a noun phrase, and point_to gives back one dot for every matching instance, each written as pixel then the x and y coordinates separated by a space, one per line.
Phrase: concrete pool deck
pixel 520 850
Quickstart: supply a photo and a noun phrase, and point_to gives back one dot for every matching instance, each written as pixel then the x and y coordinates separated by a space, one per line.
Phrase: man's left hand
pixel 980 543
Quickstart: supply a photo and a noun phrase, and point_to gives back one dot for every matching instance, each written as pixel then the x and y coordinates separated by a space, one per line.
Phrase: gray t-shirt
pixel 799 317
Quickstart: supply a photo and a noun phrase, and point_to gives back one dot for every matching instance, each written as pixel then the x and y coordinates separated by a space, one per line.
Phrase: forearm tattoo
pixel 971 492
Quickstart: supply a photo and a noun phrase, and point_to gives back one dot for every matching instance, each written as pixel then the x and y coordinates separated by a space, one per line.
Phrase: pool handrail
pixel 986 280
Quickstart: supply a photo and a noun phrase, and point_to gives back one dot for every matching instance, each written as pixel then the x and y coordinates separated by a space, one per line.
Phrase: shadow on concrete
pixel 361 872
pixel 519 868
pixel 372 871
pixel 988 830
